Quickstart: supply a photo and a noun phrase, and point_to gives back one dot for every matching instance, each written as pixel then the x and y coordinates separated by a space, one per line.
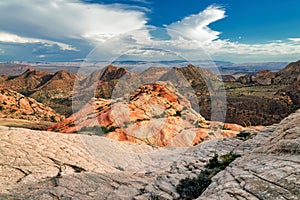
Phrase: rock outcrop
pixel 155 114
pixel 286 76
pixel 53 90
pixel 16 106
pixel 102 81
pixel 46 165
pixel 269 171
pixel 228 78
pixel 293 92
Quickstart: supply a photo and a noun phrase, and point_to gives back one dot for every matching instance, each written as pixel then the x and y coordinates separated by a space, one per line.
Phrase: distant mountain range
pixel 84 68
pixel 272 97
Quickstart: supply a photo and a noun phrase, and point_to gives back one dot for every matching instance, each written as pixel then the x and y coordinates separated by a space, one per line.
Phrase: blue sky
pixel 255 21
pixel 70 30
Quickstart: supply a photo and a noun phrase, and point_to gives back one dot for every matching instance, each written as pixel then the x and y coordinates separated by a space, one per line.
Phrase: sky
pixel 103 30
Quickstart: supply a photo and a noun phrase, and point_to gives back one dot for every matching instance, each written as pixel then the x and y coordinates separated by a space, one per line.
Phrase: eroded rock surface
pixel 46 165
pixel 270 171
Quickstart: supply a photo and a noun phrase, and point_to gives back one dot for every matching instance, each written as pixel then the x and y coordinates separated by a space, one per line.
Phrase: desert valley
pixel 124 134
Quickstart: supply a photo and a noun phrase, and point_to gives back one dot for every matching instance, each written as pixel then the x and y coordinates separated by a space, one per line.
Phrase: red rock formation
pixel 156 114
pixel 53 90
pixel 228 78
pixel 16 106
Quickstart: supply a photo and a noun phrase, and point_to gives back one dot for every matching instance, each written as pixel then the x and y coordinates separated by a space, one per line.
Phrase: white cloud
pixel 195 27
pixel 41 56
pixel 12 38
pixel 294 39
pixel 66 20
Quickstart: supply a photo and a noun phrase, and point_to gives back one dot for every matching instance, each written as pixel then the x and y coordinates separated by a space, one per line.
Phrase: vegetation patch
pixel 191 188
pixel 106 130
pixel 244 135
pixel 98 129
pixel 94 129
pixel 178 113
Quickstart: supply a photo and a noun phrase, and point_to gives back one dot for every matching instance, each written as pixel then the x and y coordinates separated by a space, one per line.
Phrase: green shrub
pixel 213 162
pixel 191 188
pixel 112 129
pixel 227 159
pixel 178 113
pixel 244 135
pixel 94 129
pixel 126 124
pixel 98 129
pixel 104 129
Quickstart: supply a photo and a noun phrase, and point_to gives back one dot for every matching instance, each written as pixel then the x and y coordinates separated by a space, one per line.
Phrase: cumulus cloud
pixel 66 20
pixel 195 27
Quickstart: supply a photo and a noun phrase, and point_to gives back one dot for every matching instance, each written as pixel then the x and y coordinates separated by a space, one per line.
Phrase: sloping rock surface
pixel 46 165
pixel 270 171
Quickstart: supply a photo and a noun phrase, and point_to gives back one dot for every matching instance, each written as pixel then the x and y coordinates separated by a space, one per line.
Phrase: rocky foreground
pixel 47 165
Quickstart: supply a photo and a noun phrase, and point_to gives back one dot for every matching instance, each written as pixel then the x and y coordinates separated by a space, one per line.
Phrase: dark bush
pixel 191 188
pixel 178 113
pixel 104 129
pixel 98 129
pixel 213 162
pixel 94 129
pixel 244 135
pixel 112 129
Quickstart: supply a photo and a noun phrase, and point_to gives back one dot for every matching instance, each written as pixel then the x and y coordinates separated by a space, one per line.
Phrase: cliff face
pixel 58 166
